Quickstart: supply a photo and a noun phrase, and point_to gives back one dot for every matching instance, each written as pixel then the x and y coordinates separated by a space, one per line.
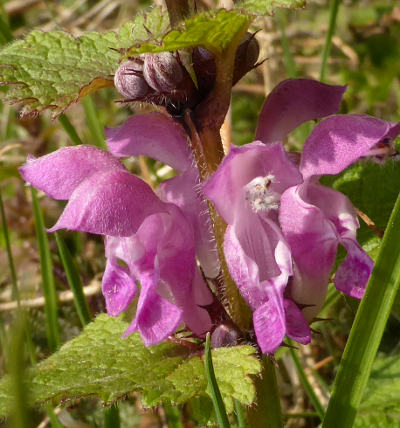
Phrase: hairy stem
pixel 266 411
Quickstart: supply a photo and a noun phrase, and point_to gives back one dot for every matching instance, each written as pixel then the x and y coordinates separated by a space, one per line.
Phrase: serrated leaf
pixel 267 7
pixel 101 363
pixel 214 30
pixel 52 70
pixel 381 405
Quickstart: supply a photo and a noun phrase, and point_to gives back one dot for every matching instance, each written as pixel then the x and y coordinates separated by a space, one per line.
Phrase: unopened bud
pixel 246 57
pixel 163 72
pixel 224 335
pixel 129 80
pixel 205 69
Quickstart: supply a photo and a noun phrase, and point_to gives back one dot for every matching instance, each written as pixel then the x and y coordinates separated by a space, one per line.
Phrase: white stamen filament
pixel 260 196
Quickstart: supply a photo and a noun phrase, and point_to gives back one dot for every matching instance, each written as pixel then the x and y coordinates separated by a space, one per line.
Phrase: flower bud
pixel 224 335
pixel 205 69
pixel 163 72
pixel 246 57
pixel 129 80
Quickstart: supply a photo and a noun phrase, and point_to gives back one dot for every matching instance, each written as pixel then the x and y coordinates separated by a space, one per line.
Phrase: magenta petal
pixel 294 102
pixel 118 288
pixel 154 135
pixel 60 172
pixel 338 141
pixel 225 187
pixel 297 327
pixel 313 241
pixel 352 275
pixel 269 326
pixel 109 203
pixel 156 317
pixel 183 191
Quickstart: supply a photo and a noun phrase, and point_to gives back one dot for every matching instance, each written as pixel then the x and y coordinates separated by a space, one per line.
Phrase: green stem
pixel 215 393
pixel 93 123
pixel 367 330
pixel 306 385
pixel 328 40
pixel 69 129
pixel 266 411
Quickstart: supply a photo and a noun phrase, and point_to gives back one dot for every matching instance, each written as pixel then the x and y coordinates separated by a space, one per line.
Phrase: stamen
pixel 259 195
pixel 382 151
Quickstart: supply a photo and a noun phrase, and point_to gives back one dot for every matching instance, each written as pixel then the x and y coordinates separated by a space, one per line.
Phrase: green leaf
pixel 381 406
pixel 267 7
pixel 214 30
pixel 100 362
pixel 53 70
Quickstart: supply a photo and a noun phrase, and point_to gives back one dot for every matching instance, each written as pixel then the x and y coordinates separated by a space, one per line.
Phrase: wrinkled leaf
pixel 214 30
pixel 381 405
pixel 54 69
pixel 101 363
pixel 267 7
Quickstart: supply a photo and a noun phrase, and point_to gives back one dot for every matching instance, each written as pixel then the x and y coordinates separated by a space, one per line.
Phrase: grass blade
pixel 93 123
pixel 15 292
pixel 21 415
pixel 328 40
pixel 69 129
pixel 367 330
pixel 290 65
pixel 5 32
pixel 74 281
pixel 241 418
pixel 306 384
pixel 48 283
pixel 111 417
pixel 215 393
pixel 173 416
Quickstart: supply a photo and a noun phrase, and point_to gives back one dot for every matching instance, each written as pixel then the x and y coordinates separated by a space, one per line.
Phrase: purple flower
pixel 160 137
pixel 152 237
pixel 283 227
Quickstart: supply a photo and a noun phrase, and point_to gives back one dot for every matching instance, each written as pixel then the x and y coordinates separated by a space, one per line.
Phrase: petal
pixel 297 327
pixel 154 135
pixel 269 326
pixel 59 173
pixel 119 288
pixel 338 141
pixel 294 102
pixel 109 203
pixel 184 192
pixel 225 187
pixel 353 274
pixel 313 242
pixel 258 258
pixel 156 318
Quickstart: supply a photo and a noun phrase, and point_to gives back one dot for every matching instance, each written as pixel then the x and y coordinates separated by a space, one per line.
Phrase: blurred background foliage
pixel 365 55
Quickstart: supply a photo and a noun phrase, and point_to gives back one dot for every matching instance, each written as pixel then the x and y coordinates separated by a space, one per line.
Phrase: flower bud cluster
pixel 162 79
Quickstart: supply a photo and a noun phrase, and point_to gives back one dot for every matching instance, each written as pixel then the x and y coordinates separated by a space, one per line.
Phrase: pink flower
pixel 152 237
pixel 283 227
